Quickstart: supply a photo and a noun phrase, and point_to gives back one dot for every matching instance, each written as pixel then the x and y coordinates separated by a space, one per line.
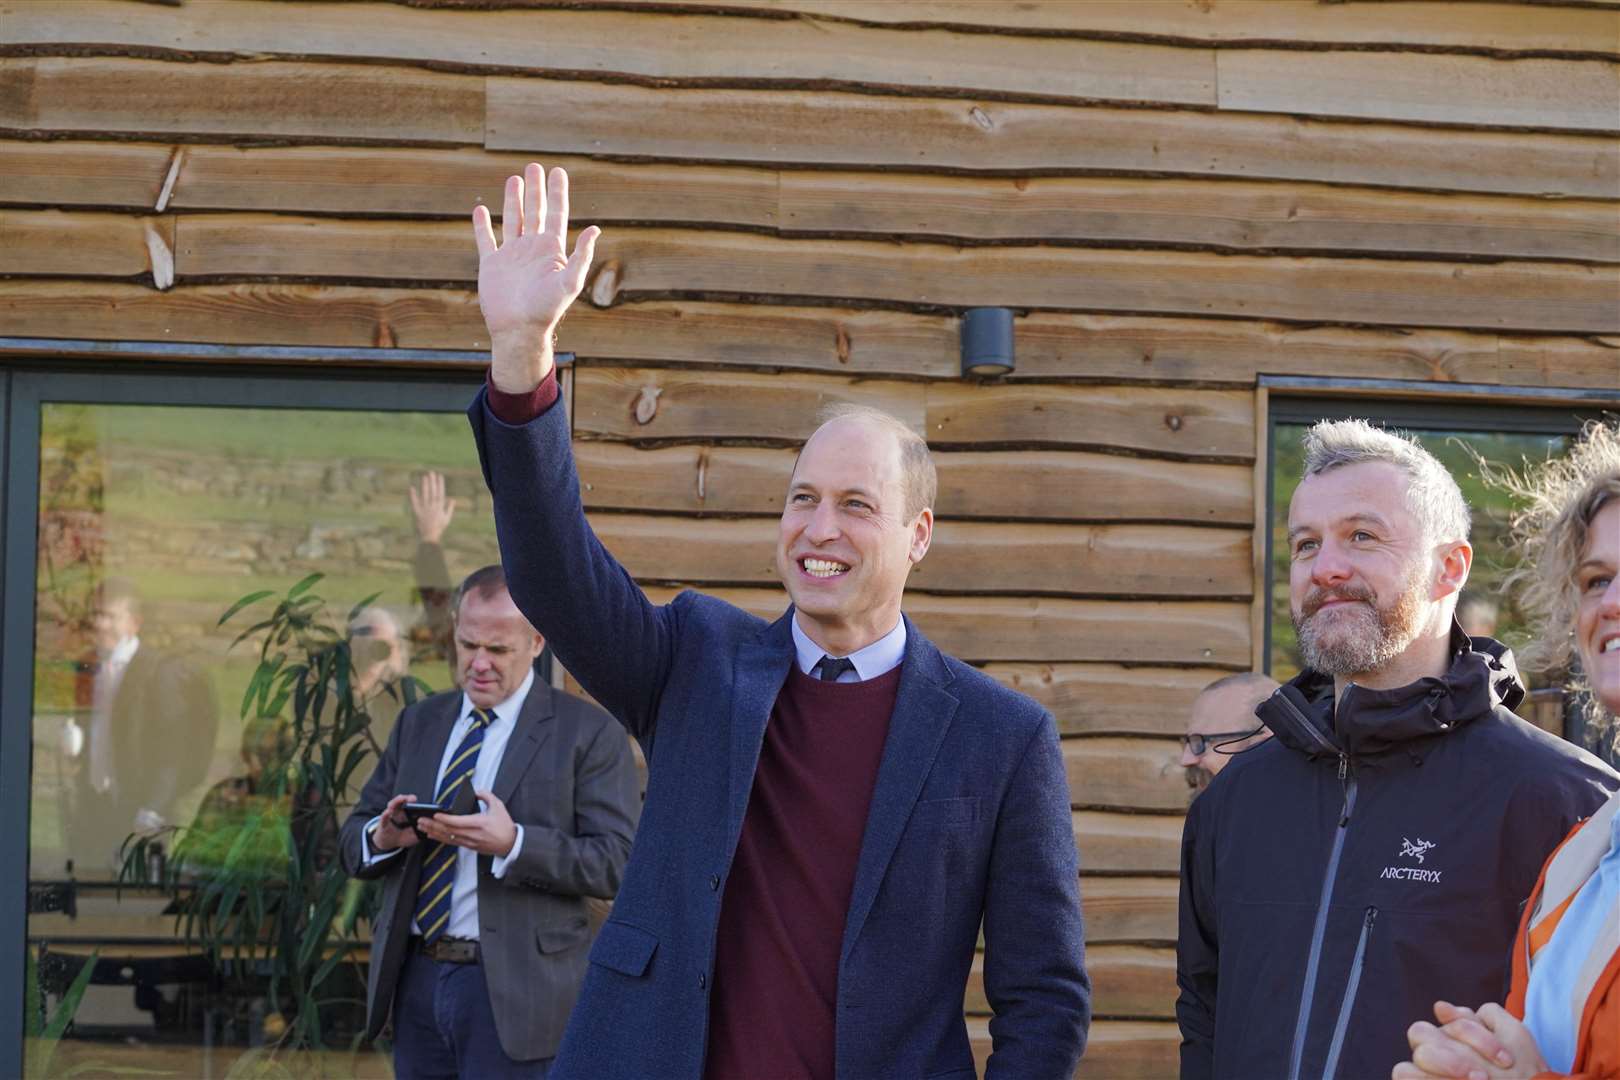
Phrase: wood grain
pixel 66 243
pixel 1114 348
pixel 646 45
pixel 1126 773
pixel 966 556
pixel 981 629
pixel 1229 215
pixel 1012 484
pixel 268 99
pixel 841 129
pixel 1539 93
pixel 1106 699
pixel 1125 909
pixel 1126 981
pixel 1131 843
pixel 1392 23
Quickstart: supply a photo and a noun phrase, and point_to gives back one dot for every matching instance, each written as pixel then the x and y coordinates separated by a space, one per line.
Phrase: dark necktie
pixel 439 860
pixel 828 668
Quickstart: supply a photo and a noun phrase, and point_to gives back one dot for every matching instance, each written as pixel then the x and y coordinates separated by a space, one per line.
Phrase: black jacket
pixel 1337 879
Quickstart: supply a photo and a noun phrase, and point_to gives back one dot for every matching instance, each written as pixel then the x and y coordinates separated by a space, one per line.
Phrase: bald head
pixel 918 478
pixel 1223 723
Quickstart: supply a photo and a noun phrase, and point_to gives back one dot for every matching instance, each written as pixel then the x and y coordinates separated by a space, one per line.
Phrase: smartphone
pixel 416 811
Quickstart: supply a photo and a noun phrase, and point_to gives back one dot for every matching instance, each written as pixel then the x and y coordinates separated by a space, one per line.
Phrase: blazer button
pixel 703 980
pixel 714 882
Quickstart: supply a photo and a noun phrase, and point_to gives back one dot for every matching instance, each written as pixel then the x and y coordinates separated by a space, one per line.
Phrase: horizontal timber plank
pixel 1106 699
pixel 838 129
pixel 421 181
pixel 268 99
pixel 1127 843
pixel 1023 484
pixel 1540 93
pixel 1557 297
pixel 1115 1049
pixel 1127 909
pixel 57 242
pixel 646 45
pixel 1126 773
pixel 1114 348
pixel 1393 23
pixel 1126 980
pixel 966 556
pixel 687 404
pixel 1034 629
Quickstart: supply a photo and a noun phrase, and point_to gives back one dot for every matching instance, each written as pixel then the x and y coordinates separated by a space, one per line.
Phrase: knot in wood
pixel 646 406
pixel 982 118
pixel 1172 421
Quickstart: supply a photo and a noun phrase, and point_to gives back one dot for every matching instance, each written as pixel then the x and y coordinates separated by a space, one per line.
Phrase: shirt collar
pixel 124 651
pixel 506 711
pixel 878 658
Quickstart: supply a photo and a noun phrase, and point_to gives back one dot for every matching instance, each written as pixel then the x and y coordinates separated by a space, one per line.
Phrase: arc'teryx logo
pixel 1413 849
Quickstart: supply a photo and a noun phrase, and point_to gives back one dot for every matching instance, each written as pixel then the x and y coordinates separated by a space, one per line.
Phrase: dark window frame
pixel 34 371
pixel 1486 409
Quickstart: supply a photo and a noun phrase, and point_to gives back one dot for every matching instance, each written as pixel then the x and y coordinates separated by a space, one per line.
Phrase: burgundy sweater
pixel 773 1004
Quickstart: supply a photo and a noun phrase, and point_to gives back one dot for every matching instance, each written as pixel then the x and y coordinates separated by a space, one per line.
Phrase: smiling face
pixel 495 647
pixel 1365 583
pixel 846 542
pixel 1597 616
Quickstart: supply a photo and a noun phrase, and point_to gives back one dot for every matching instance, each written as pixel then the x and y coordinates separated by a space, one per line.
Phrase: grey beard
pixel 1365 648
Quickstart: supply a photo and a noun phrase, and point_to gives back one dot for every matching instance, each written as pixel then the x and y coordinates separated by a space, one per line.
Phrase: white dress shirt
pixel 109 677
pixel 464 890
pixel 880 657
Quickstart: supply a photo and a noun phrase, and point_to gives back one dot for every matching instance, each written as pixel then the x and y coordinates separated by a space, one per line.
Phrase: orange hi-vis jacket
pixel 1597 1044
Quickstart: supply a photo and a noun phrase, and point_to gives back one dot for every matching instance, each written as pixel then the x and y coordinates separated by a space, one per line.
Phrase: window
pixel 160 501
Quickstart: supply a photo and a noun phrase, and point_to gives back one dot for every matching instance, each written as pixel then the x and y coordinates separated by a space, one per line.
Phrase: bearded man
pixel 1374 854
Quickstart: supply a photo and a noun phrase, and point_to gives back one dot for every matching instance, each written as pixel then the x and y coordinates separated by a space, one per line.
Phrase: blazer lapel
pixel 923 712
pixel 532 729
pixel 419 772
pixel 761 669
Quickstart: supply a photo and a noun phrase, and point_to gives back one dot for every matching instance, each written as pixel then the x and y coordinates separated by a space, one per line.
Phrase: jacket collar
pixel 1481 677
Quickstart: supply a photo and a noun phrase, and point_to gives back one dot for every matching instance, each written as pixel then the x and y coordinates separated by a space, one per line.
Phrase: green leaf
pixel 63 1016
pixel 354 612
pixel 250 598
pixel 304 586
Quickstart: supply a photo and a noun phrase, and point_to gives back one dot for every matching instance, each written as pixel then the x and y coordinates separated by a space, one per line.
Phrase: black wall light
pixel 987 341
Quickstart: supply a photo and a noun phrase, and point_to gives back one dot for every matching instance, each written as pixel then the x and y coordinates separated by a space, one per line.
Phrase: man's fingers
pixel 556 223
pixel 534 198
pixel 1441 1056
pixel 483 231
pixel 512 210
pixel 1478 1038
pixel 1446 1012
pixel 579 263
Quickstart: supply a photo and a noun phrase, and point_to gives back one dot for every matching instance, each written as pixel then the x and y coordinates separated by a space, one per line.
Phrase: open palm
pixel 528 280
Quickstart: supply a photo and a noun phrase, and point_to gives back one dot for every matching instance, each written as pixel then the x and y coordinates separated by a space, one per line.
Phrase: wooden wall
pixel 799 197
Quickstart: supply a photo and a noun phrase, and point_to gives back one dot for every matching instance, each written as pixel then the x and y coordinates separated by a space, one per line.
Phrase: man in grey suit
pixel 481 942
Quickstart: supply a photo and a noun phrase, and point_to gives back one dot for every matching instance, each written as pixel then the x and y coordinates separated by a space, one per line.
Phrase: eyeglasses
pixel 1199 743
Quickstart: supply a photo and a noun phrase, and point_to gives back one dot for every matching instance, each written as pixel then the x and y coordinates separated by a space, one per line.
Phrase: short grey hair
pixel 1432 493
pixel 917 473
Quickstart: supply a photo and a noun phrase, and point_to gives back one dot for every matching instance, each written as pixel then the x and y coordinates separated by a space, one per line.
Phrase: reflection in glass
pixel 153 522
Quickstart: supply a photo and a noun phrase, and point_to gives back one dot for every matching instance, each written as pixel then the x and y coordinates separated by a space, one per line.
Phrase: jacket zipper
pixel 1308 994
pixel 1349 1003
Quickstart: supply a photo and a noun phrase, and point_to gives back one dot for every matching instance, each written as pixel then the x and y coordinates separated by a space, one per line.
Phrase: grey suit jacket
pixel 568 778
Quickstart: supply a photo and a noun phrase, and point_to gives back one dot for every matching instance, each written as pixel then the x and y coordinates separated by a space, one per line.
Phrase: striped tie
pixel 439 860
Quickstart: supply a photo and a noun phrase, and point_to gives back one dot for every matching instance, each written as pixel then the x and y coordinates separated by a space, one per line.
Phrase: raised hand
pixel 431 510
pixel 528 280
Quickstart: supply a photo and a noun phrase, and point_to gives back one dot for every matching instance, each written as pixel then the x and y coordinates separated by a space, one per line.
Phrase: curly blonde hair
pixel 1550 534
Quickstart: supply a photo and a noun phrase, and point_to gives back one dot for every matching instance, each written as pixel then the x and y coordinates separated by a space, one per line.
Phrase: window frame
pixel 36 371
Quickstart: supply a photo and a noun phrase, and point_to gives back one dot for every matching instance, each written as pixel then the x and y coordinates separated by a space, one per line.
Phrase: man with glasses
pixel 1223 723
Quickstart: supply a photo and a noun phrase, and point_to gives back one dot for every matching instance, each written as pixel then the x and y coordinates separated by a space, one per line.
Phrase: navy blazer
pixel 969 819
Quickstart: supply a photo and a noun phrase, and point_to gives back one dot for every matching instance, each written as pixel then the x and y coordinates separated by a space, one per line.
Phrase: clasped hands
pixel 1490 1044
pixel 490 832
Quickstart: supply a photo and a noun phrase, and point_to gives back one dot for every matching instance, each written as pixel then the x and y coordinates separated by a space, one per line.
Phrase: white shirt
pixel 464 890
pixel 109 676
pixel 883 655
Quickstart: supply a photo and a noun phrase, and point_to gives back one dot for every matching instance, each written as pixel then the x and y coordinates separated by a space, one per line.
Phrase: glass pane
pixel 151 761
pixel 1485 608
